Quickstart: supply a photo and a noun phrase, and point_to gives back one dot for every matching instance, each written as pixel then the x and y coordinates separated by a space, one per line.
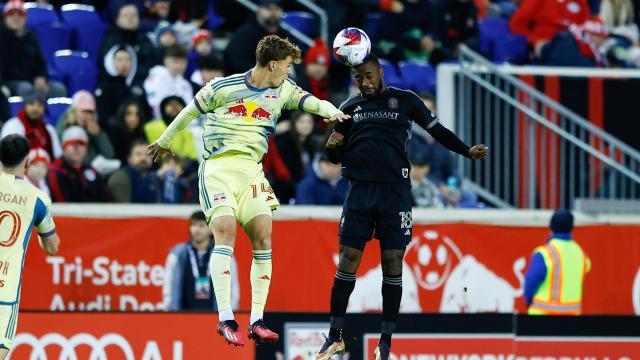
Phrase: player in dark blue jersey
pixel 372 146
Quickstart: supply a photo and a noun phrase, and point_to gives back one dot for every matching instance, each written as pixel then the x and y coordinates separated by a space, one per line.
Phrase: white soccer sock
pixel 220 267
pixel 260 281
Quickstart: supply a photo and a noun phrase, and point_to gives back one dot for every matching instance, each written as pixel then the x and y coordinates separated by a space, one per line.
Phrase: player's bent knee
pixel 224 230
pixel 349 258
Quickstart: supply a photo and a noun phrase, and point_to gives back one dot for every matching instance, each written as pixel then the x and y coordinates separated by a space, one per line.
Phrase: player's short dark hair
pixel 371 59
pixel 275 48
pixel 14 149
pixel 175 51
pixel 198 216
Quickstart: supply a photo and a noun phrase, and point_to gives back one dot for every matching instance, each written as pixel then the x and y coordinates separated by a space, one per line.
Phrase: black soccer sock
pixel 391 296
pixel 343 285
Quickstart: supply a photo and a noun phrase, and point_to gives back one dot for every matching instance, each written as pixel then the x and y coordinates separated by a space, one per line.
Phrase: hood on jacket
pixel 110 66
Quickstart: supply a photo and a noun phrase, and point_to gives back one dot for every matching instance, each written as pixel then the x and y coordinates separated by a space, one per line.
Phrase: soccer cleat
pixel 229 330
pixel 331 347
pixel 259 332
pixel 382 351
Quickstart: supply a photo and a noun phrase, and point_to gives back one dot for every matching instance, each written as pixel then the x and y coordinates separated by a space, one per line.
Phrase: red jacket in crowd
pixel 542 19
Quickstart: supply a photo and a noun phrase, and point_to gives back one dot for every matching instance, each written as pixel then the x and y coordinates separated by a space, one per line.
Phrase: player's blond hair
pixel 275 48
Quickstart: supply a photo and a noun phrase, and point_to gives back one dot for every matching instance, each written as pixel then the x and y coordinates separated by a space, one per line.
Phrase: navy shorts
pixel 376 210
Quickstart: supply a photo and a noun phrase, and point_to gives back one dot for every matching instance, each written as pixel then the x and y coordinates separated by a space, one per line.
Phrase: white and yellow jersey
pixel 241 117
pixel 22 206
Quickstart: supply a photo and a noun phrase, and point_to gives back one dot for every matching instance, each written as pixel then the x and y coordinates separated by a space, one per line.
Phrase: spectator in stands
pixel 442 166
pixel 183 145
pixel 425 193
pixel 168 79
pixel 157 12
pixel 25 67
pixel 126 32
pixel 201 46
pixel 82 112
pixel 619 17
pixel 314 77
pixel 189 11
pixel 456 23
pixel 187 285
pixel 164 36
pixel 119 83
pixel 323 184
pixel 70 180
pixel 135 182
pixel 541 20
pixel 299 145
pixel 31 124
pixel 128 127
pixel 174 188
pixel 277 173
pixel 407 34
pixel 38 166
pixel 209 67
pixel 241 56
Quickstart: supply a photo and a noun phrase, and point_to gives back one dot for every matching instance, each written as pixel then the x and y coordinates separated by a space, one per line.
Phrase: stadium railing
pixel 542 154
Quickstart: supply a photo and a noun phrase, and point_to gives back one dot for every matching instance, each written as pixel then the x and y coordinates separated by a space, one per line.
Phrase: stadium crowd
pixel 153 56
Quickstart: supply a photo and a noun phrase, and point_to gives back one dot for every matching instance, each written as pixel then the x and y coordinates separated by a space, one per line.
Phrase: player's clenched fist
pixel 478 151
pixel 335 139
pixel 156 152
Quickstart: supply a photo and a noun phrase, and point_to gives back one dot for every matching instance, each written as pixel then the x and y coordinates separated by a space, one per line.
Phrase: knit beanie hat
pixel 561 221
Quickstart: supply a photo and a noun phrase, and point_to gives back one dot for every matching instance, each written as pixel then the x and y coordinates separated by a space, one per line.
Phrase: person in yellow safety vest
pixel 554 280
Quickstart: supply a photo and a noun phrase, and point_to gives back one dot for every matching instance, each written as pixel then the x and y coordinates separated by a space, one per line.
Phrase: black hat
pixel 561 221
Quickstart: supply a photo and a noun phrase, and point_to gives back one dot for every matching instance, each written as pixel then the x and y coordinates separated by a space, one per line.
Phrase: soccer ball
pixel 351 46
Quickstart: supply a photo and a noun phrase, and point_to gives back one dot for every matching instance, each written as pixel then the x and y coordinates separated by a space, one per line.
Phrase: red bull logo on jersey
pixel 249 111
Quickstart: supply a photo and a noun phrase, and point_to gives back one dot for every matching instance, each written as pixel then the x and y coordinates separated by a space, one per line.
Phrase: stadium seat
pixel 492 30
pixel 511 48
pixel 15 103
pixel 78 69
pixel 302 21
pixel 53 37
pixel 418 75
pixel 374 25
pixel 38 15
pixel 213 19
pixel 55 108
pixel 88 28
pixel 391 75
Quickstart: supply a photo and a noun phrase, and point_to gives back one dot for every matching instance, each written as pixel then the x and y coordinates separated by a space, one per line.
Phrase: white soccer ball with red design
pixel 351 46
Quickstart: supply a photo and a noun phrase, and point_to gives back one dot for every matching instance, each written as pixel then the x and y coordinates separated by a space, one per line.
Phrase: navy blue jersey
pixel 377 135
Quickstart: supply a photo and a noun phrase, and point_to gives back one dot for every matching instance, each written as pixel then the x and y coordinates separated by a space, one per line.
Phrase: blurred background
pixel 550 86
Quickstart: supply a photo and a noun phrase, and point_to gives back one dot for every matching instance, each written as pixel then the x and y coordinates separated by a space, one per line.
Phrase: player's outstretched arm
pixel 50 244
pixel 330 113
pixel 428 121
pixel 161 147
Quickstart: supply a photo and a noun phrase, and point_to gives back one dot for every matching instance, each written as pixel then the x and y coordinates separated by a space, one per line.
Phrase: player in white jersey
pixel 22 206
pixel 242 110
